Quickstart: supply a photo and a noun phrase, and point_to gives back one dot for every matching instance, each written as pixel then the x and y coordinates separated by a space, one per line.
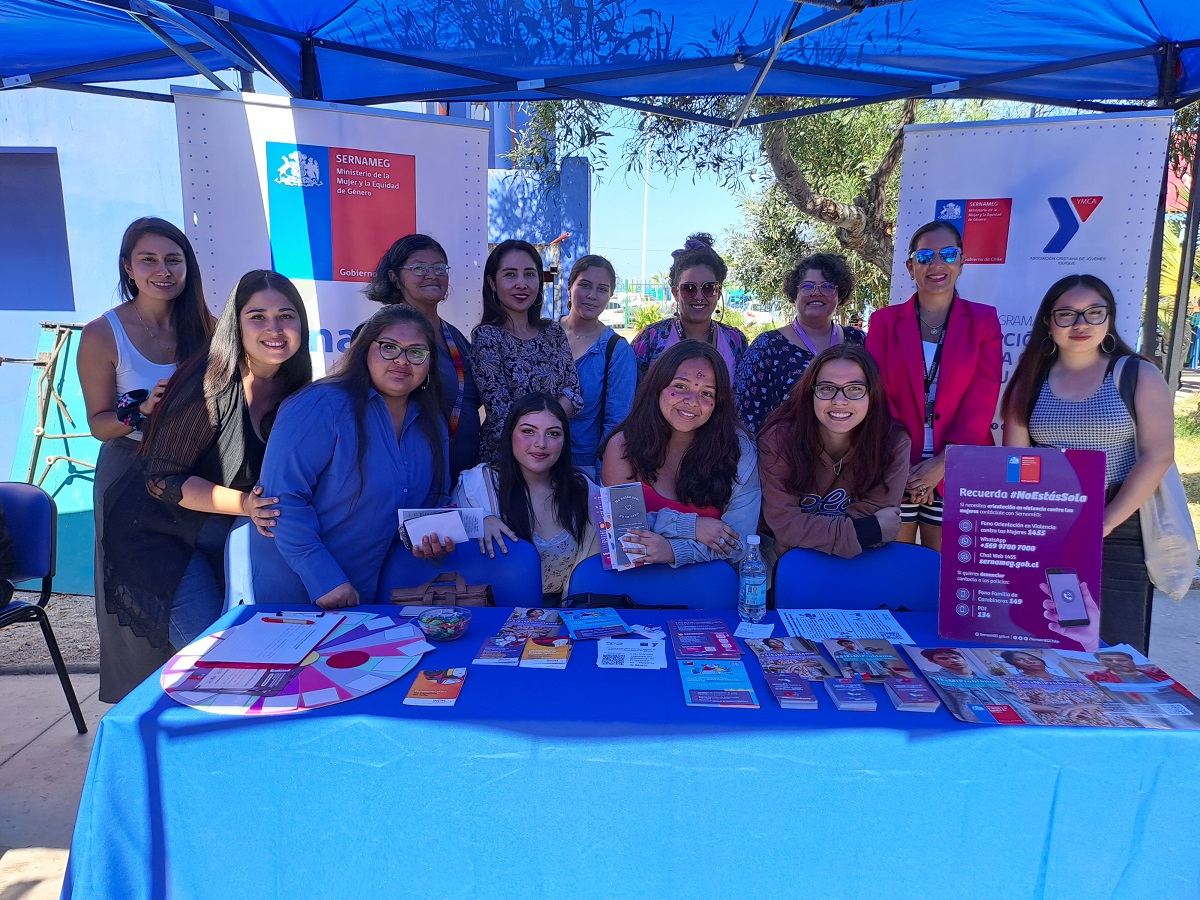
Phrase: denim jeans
pixel 201 591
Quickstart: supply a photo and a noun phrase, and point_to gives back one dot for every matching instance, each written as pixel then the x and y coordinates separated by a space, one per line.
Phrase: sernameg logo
pixel 1069 214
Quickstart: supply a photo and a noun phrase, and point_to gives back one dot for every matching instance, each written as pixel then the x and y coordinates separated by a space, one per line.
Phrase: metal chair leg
pixel 61 667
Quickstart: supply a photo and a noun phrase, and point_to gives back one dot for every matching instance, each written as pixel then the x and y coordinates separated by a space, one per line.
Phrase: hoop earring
pixel 1049 348
pixel 131 284
pixel 1109 337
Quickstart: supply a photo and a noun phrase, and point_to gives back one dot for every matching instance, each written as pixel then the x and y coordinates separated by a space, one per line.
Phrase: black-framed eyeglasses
pixel 414 355
pixel 949 255
pixel 708 290
pixel 1093 315
pixel 825 288
pixel 827 390
pixel 438 269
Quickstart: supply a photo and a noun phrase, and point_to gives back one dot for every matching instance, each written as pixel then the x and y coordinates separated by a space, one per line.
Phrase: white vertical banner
pixel 1036 200
pixel 319 191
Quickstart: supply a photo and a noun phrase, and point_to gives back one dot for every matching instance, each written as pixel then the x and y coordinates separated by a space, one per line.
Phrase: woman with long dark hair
pixel 168 516
pixel 940 357
pixel 345 454
pixel 415 271
pixel 515 351
pixel 697 466
pixel 1064 393
pixel 604 359
pixel 533 493
pixel 833 461
pixel 697 277
pixel 125 358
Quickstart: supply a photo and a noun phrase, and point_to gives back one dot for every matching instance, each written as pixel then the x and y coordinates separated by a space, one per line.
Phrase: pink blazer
pixel 968 378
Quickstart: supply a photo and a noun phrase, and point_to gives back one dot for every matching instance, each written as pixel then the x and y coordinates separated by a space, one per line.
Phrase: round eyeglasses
pixel 827 390
pixel 1093 315
pixel 414 355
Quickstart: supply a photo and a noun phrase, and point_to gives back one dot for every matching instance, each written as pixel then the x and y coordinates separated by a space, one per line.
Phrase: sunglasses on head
pixel 708 290
pixel 949 255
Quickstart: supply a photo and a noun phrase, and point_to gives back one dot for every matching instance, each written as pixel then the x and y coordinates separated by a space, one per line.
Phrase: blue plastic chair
pixel 515 577
pixel 32 520
pixel 239 578
pixel 704 585
pixel 894 575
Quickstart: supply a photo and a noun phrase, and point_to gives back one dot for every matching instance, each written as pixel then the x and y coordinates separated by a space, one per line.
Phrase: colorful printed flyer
pixel 436 687
pixel 717 682
pixel 1021 544
pixel 593 624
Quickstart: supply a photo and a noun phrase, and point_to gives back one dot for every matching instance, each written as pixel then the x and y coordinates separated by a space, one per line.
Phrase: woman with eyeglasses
pixel 344 455
pixel 1064 393
pixel 833 462
pixel 534 494
pixel 515 351
pixel 698 468
pixel 604 359
pixel 818 286
pixel 697 274
pixel 940 357
pixel 414 271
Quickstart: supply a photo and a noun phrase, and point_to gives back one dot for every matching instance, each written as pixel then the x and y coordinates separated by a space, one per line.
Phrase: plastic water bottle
pixel 752 583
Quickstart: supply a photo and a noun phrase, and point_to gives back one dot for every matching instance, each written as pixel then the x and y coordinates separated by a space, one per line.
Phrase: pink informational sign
pixel 1021 525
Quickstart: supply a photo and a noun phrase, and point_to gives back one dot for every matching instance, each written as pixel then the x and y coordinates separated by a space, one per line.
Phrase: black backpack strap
pixel 1127 381
pixel 609 348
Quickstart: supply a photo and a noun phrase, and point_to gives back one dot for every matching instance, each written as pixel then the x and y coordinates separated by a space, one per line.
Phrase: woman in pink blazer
pixel 940 356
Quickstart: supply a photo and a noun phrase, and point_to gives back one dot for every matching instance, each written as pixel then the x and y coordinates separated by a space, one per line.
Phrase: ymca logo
pixel 1070 213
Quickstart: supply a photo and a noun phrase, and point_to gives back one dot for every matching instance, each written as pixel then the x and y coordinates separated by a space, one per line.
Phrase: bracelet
pixel 128 413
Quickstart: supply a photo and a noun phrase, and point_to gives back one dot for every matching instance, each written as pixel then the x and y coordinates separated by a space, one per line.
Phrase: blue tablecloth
pixel 590 782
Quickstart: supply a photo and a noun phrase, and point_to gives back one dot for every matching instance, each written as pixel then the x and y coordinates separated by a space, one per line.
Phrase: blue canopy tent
pixel 1092 54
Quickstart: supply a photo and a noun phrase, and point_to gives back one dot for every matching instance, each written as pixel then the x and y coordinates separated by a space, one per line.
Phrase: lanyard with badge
pixel 931 371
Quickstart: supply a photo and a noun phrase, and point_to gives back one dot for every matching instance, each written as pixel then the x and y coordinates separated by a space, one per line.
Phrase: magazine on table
pixel 791 656
pixel 532 621
pixel 871 660
pixel 1115 687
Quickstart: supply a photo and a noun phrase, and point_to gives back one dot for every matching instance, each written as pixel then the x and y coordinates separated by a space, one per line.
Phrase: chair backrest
pixel 515 577
pixel 32 519
pixel 239 578
pixel 895 574
pixel 705 585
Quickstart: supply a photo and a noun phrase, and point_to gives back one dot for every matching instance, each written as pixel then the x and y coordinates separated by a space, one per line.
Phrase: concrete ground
pixel 43 760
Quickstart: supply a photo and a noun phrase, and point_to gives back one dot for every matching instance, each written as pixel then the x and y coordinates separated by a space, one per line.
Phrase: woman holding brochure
pixel 345 454
pixel 167 518
pixel 533 493
pixel 697 466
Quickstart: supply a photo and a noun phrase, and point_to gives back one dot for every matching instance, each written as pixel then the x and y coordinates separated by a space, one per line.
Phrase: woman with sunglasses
pixel 698 468
pixel 819 285
pixel 833 462
pixel 344 455
pixel 414 271
pixel 515 351
pixel 697 273
pixel 1064 393
pixel 533 493
pixel 940 357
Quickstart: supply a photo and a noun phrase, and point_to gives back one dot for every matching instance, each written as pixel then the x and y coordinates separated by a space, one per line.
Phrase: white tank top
pixel 134 371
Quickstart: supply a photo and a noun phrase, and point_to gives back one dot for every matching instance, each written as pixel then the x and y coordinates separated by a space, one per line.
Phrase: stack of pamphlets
pixel 593 624
pixel 532 622
pixel 870 659
pixel 436 687
pixel 911 695
pixel 703 639
pixel 501 650
pixel 792 691
pixel 1115 686
pixel 850 693
pixel 717 682
pixel 791 656
pixel 546 652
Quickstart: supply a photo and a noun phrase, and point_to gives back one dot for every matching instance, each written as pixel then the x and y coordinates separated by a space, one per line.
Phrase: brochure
pixel 460 524
pixel 546 653
pixel 870 660
pixel 631 653
pixel 618 508
pixel 791 691
pixel 791 656
pixel 822 624
pixel 500 650
pixel 851 694
pixel 532 622
pixel 436 687
pixel 717 682
pixel 592 624
pixel 911 695
pixel 702 639
pixel 1115 686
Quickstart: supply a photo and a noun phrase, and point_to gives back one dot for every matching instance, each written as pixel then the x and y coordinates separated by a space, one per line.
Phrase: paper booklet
pixel 500 650
pixel 870 660
pixel 717 682
pixel 702 639
pixel 911 695
pixel 436 687
pixel 618 508
pixel 1114 686
pixel 546 653
pixel 791 691
pixel 532 621
pixel 851 694
pixel 460 525
pixel 592 624
pixel 271 640
pixel 791 656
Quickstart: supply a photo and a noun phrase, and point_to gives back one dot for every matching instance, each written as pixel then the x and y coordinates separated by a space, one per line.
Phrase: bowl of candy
pixel 444 623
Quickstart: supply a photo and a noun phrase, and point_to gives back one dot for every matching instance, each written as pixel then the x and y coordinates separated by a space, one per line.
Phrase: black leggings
pixel 1126 591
